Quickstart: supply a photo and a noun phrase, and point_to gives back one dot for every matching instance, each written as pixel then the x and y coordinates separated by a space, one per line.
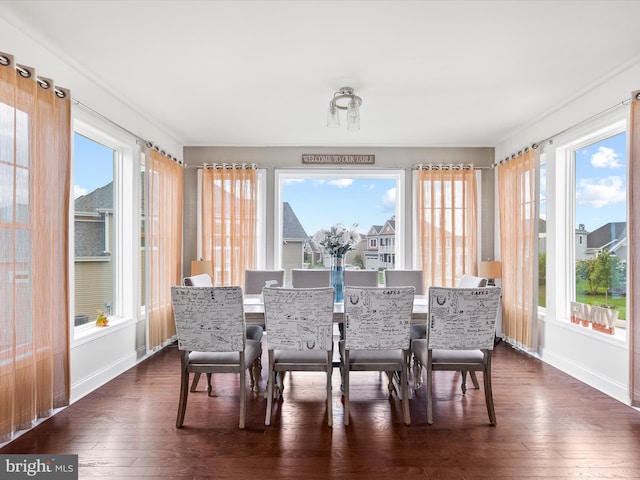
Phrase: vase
pixel 337 277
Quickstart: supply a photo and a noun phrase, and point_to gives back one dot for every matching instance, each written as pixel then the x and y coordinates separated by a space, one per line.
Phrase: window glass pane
pixel 93 228
pixel 542 236
pixel 601 224
pixel 311 204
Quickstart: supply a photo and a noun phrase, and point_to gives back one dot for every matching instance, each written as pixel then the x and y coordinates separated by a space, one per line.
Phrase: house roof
pixel 606 234
pixel 100 198
pixel 291 227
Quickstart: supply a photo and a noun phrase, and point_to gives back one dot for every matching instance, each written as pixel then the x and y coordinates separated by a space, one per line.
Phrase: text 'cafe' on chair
pixel 376 336
pixel 460 333
pixel 300 336
pixel 211 332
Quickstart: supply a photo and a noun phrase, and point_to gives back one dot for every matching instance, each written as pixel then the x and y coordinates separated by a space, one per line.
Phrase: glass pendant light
pixel 333 119
pixel 353 116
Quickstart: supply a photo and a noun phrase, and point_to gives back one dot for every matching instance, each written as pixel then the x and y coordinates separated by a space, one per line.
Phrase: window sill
pixel 88 333
pixel 619 338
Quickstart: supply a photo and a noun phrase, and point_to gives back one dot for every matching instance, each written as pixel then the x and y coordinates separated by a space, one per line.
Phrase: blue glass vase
pixel 337 277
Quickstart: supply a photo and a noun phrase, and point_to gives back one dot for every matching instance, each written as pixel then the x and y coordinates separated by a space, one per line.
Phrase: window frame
pixel 126 223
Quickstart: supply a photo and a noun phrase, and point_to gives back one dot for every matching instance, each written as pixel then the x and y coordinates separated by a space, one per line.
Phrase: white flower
pixel 338 239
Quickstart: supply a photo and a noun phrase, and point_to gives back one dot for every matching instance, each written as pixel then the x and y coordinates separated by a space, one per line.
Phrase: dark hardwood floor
pixel 549 426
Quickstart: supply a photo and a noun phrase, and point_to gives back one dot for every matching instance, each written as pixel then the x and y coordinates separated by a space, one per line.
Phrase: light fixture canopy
pixel 344 99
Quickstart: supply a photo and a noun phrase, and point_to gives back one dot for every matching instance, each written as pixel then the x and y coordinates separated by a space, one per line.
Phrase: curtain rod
pixel 141 140
pixel 575 125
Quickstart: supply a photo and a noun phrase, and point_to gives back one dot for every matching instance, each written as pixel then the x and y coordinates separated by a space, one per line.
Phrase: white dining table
pixel 254 310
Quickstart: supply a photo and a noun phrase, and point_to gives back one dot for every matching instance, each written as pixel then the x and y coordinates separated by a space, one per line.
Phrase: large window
pixel 106 231
pixel 311 200
pixel 583 242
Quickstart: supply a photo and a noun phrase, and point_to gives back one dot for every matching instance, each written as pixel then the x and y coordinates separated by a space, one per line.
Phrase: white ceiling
pixel 261 73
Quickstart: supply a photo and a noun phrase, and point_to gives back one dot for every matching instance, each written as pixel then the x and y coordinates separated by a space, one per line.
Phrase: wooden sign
pixel 313 159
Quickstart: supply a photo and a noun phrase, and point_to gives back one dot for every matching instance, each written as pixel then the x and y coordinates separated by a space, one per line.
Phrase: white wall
pixel 599 360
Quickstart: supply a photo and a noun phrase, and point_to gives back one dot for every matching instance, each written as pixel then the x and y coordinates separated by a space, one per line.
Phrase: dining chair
pixel 254 332
pixel 404 278
pixel 310 278
pixel 300 337
pixel 360 278
pixel 377 337
pixel 254 280
pixel 462 323
pixel 211 332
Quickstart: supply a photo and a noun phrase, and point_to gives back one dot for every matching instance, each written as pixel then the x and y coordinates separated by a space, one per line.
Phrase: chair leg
pixel 329 390
pixel 390 386
pixel 270 381
pixel 417 373
pixel 184 391
pixel 429 394
pixel 243 394
pixel 196 379
pixel 345 387
pixel 489 396
pixel 474 379
pixel 404 381
pixel 463 373
pixel 209 389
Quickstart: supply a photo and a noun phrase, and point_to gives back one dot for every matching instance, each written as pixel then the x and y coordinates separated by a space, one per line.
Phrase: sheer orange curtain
pixel 229 221
pixel 447 223
pixel 35 166
pixel 163 243
pixel 516 201
pixel 633 266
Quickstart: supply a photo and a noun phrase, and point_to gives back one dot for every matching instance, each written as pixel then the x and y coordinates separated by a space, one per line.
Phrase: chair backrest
pixel 299 318
pixel 378 318
pixel 254 280
pixel 462 318
pixel 361 278
pixel 405 278
pixel 310 278
pixel 209 319
pixel 202 280
pixel 469 281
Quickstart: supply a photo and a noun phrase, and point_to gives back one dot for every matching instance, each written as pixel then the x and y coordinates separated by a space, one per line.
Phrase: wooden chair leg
pixel 345 387
pixel 488 394
pixel 474 379
pixel 184 391
pixel 404 381
pixel 270 381
pixel 329 389
pixel 243 395
pixel 209 389
pixel 196 379
pixel 429 395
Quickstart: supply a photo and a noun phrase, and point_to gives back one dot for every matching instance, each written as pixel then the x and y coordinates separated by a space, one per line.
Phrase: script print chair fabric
pixel 408 278
pixel 254 332
pixel 460 334
pixel 310 278
pixel 255 280
pixel 300 336
pixel 211 334
pixel 377 336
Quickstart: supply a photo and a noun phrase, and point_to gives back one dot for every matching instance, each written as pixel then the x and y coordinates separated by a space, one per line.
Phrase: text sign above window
pixel 338 159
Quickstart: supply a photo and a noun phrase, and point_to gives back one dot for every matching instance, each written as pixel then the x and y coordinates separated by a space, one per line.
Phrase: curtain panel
pixel 447 223
pixel 229 221
pixel 163 243
pixel 633 267
pixel 517 211
pixel 35 169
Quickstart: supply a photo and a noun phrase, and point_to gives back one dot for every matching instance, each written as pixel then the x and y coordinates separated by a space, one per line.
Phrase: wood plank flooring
pixel 549 426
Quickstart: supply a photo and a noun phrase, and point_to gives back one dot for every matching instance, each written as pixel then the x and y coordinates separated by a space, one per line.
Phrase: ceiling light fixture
pixel 349 102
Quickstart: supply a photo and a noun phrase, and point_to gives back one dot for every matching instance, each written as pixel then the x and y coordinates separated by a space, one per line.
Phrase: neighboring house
pixel 294 241
pixel 581 236
pixel 610 236
pixel 380 251
pixel 93 241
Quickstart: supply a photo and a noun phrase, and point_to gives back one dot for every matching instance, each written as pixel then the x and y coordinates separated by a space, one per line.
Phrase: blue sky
pixel 320 203
pixel 93 165
pixel 601 170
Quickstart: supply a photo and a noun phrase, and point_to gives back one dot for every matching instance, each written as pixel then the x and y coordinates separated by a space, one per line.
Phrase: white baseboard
pixel 102 376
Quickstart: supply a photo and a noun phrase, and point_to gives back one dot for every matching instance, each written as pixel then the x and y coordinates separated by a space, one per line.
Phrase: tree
pixel 584 270
pixel 357 261
pixel 607 272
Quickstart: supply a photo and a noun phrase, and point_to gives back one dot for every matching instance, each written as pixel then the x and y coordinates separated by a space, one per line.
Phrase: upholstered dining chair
pixel 254 280
pixel 404 278
pixel 310 278
pixel 361 278
pixel 462 323
pixel 211 332
pixel 254 332
pixel 377 337
pixel 300 337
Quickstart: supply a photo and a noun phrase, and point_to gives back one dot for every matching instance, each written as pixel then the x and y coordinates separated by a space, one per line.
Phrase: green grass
pixel 619 303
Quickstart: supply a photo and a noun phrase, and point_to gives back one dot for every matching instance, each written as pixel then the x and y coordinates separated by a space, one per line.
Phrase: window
pixel 316 199
pixel 106 236
pixel 585 238
pixel 542 235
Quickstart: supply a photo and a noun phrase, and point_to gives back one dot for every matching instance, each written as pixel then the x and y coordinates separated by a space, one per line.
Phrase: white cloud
pixel 602 192
pixel 389 200
pixel 293 180
pixel 78 191
pixel 341 183
pixel 606 157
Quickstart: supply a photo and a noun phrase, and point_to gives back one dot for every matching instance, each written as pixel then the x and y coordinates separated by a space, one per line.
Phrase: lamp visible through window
pixel 490 270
